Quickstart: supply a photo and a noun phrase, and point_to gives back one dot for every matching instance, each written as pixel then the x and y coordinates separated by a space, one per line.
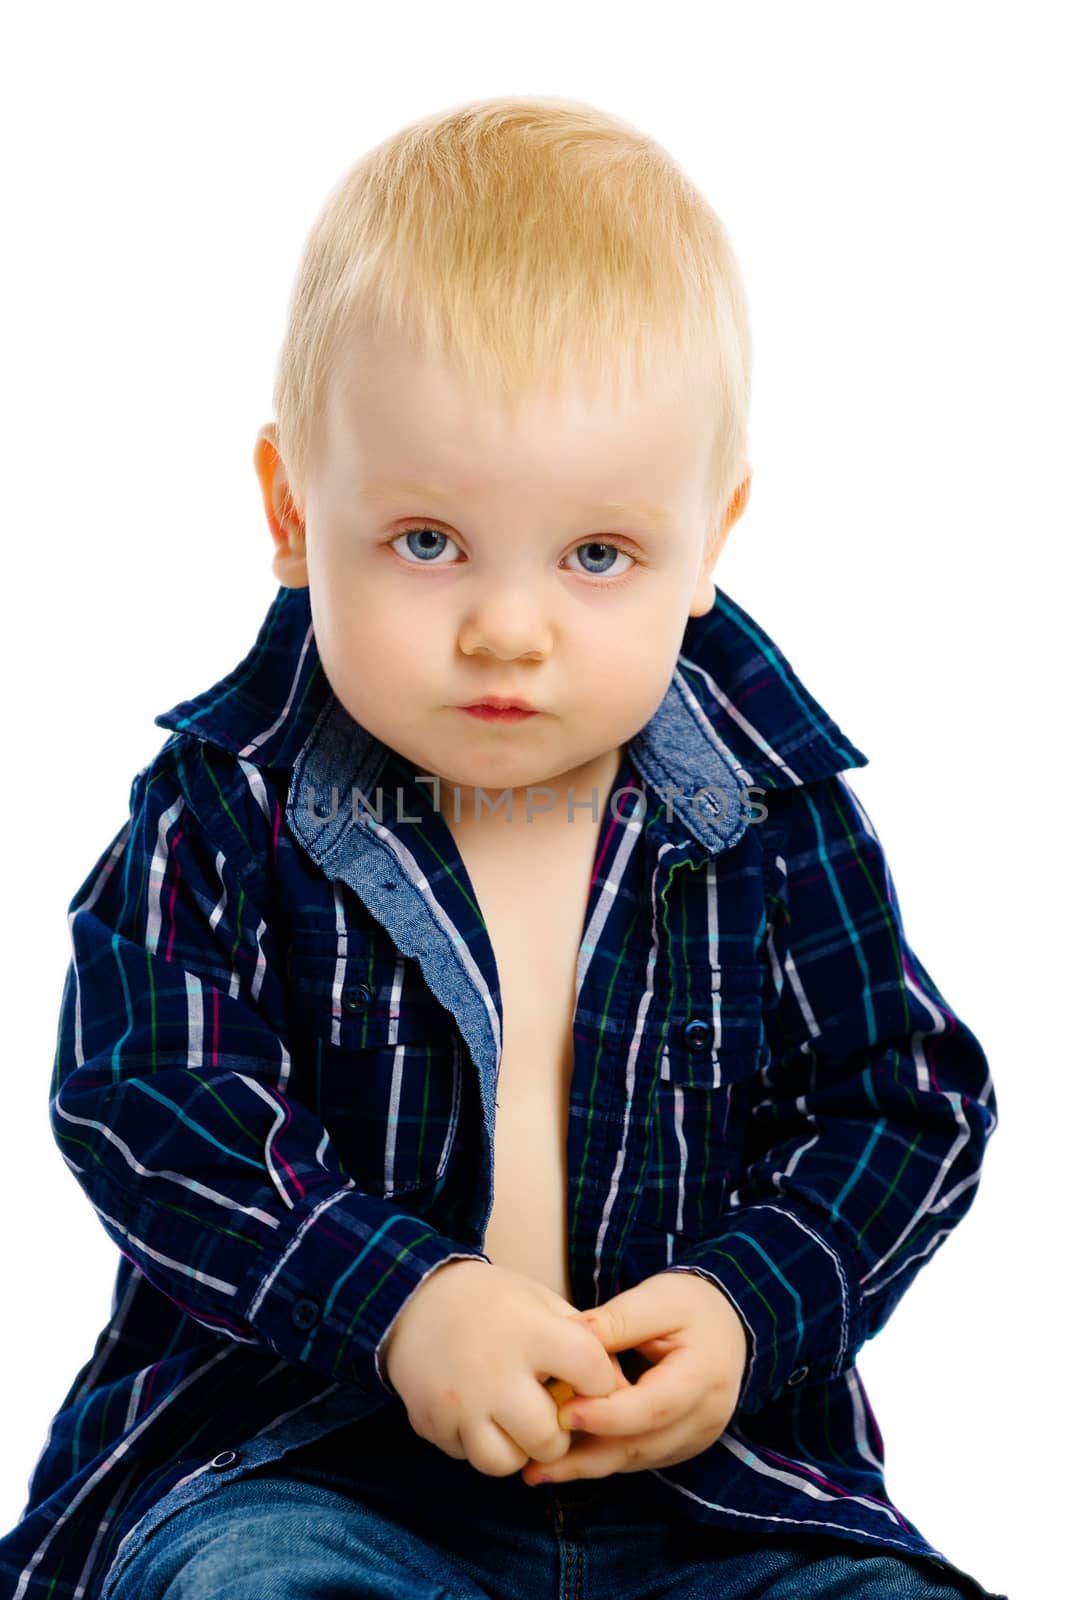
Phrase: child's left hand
pixel 679 1406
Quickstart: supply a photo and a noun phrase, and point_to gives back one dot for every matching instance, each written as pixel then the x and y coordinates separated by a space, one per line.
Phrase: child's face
pixel 525 582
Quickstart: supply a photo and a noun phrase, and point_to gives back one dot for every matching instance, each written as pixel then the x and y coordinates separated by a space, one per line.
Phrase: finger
pixel 543 1437
pixel 492 1449
pixel 586 1458
pixel 621 1380
pixel 582 1362
pixel 642 1312
pixel 599 1458
pixel 655 1349
pixel 561 1391
pixel 660 1397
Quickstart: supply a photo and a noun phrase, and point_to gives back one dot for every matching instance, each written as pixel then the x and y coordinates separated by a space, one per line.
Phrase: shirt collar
pixel 735 717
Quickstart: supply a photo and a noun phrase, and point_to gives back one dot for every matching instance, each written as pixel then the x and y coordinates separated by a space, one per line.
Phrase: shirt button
pixel 356 997
pixel 226 1458
pixel 697 1034
pixel 305 1313
pixel 798 1376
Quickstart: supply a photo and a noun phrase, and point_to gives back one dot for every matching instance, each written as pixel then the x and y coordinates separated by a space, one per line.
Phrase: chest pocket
pixel 700 1103
pixel 382 1072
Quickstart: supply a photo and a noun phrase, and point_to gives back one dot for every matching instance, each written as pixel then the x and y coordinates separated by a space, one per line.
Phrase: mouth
pixel 494 711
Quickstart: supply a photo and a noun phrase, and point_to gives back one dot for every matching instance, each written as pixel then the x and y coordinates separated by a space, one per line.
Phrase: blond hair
pixel 524 239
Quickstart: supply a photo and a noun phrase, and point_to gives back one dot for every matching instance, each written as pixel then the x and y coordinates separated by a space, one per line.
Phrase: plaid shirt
pixel 276 1063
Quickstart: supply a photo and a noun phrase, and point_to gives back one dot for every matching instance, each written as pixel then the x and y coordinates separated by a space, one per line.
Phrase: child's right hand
pixel 469 1355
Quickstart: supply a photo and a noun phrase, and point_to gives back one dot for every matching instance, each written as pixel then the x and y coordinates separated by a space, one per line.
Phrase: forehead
pixel 410 422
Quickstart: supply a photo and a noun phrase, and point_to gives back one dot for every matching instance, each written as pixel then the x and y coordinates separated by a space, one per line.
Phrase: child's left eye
pixel 600 545
pixel 427 550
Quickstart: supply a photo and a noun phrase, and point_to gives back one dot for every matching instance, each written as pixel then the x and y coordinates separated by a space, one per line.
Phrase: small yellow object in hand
pixel 561 1391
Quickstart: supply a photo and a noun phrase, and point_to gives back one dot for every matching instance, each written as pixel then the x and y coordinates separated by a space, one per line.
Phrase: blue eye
pixel 428 534
pixel 609 551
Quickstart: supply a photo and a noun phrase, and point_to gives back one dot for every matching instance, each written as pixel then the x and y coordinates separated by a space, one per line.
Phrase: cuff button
pixel 225 1458
pixel 305 1314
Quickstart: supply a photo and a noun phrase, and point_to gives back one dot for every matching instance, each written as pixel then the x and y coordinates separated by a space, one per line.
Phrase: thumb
pixel 629 1319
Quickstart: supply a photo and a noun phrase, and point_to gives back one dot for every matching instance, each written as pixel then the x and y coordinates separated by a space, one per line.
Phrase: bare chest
pixel 533 901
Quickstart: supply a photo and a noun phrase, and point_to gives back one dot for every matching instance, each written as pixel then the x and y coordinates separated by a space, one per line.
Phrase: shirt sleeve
pixel 174 1100
pixel 868 1125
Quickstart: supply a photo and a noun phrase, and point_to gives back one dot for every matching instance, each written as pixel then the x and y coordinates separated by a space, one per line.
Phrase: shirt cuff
pixel 792 1289
pixel 340 1279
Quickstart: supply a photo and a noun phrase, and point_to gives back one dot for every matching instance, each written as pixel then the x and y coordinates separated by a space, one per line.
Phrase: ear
pixel 704 590
pixel 289 564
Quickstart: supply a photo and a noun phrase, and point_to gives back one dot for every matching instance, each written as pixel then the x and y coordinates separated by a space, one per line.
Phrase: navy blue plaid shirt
pixel 275 1071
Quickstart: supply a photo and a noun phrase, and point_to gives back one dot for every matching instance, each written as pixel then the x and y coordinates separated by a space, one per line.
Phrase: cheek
pixel 632 681
pixel 616 664
pixel 368 663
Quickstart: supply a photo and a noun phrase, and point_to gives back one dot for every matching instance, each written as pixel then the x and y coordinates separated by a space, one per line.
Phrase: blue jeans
pixel 418 1525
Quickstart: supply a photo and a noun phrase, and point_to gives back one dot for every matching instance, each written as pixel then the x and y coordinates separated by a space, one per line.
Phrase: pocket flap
pixel 715 1034
pixel 363 999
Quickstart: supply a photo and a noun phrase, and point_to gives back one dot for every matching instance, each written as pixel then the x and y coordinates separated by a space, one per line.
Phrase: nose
pixel 509 621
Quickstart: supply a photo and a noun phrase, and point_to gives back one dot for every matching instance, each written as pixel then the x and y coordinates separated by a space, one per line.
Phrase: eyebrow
pixel 638 510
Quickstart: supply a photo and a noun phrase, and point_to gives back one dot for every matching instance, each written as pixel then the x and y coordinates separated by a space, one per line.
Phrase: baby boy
pixel 496 1007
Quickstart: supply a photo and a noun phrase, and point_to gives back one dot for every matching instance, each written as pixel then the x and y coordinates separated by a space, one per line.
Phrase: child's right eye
pixel 422 533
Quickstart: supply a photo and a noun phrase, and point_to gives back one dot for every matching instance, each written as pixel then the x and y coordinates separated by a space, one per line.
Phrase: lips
pixel 491 713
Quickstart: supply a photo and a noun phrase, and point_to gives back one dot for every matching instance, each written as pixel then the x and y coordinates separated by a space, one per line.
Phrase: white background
pixel 891 179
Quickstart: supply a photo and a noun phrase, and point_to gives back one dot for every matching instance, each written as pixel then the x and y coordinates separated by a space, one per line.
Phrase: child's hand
pixel 468 1354
pixel 679 1406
